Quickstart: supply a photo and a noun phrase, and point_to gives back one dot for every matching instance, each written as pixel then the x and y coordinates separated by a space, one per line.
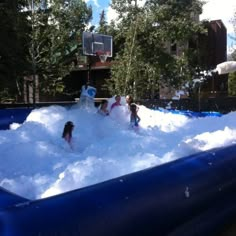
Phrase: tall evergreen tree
pixel 103 26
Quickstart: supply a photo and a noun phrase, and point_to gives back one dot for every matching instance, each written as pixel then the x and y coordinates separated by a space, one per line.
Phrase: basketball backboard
pixel 97 44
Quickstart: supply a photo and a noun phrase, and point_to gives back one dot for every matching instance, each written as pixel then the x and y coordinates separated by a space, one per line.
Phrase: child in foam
pixel 103 108
pixel 129 100
pixel 67 133
pixel 87 96
pixel 117 102
pixel 134 118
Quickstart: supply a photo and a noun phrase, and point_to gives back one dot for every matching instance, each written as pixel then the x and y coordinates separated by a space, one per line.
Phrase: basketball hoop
pixel 102 56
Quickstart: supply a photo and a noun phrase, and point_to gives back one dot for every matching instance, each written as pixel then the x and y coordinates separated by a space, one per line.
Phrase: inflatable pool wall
pixel 18 115
pixel 194 195
pixel 13 115
pixel 8 199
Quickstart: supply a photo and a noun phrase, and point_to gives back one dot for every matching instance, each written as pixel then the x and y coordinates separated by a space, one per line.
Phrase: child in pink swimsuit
pixel 117 102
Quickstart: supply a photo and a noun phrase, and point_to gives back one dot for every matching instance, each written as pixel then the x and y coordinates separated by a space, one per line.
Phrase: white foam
pixel 35 161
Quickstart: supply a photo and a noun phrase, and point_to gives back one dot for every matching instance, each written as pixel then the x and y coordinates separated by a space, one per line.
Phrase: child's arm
pixel 138 119
pixel 68 140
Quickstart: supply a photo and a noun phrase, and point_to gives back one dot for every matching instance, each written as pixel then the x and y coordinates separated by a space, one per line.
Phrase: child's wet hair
pixel 69 123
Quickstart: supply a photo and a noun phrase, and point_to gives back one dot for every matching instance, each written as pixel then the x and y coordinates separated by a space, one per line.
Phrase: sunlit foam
pixel 35 161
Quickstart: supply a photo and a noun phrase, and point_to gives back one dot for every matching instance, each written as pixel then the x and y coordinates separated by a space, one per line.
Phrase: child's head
pixel 129 99
pixel 68 128
pixel 104 104
pixel 117 98
pixel 69 124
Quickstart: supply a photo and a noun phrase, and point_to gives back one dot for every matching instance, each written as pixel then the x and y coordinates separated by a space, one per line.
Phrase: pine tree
pixel 103 26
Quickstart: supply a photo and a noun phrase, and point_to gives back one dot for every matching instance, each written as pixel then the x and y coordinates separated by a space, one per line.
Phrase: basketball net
pixel 102 57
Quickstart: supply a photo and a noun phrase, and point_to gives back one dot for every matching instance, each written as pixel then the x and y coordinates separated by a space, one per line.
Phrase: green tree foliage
pixel 143 36
pixel 232 79
pixel 55 35
pixel 39 37
pixel 232 84
pixel 13 51
pixel 232 76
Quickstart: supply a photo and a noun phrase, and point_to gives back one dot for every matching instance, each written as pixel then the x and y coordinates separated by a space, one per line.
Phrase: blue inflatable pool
pixel 194 195
pixel 192 114
pixel 18 115
pixel 188 196
pixel 13 115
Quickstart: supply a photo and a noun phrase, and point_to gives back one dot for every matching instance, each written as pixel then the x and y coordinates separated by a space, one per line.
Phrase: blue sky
pixel 212 10
pixel 98 6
